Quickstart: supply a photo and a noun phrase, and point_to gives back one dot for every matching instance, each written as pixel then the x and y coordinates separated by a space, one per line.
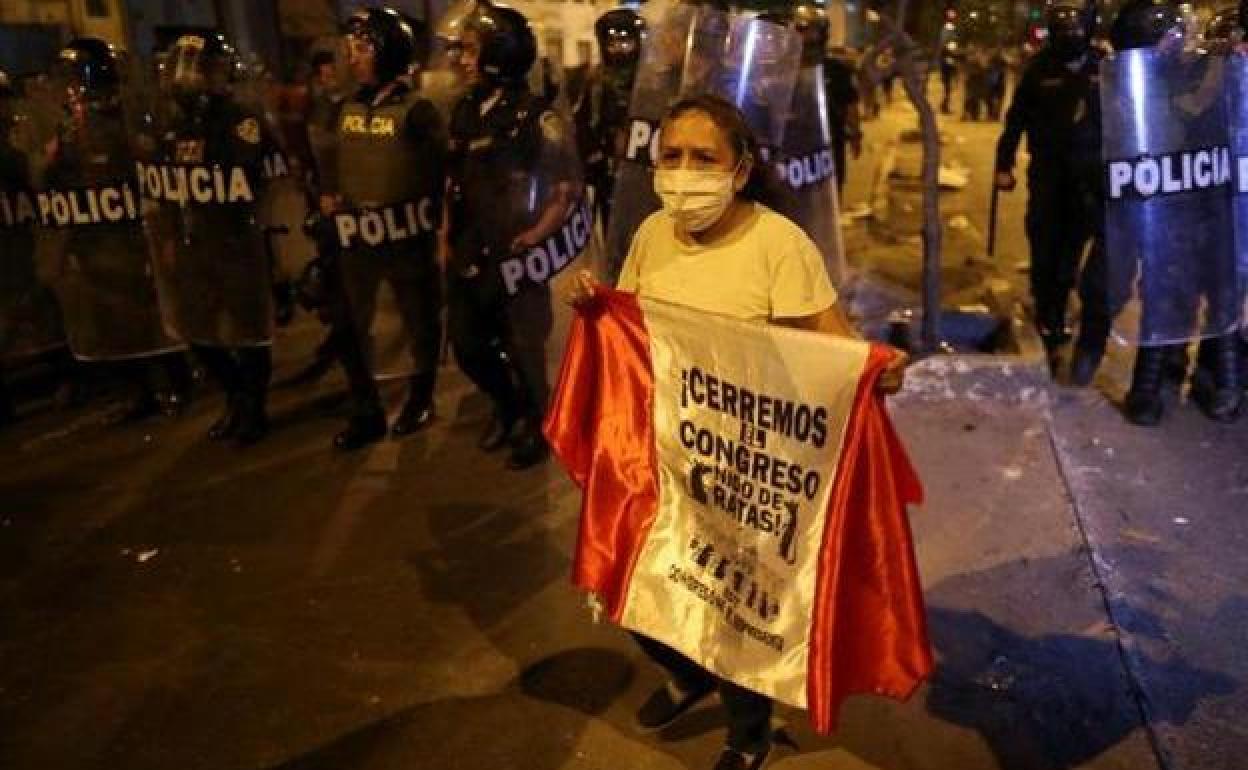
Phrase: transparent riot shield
pixel 694 49
pixel 30 321
pixel 1237 113
pixel 805 161
pixel 92 227
pixel 1168 221
pixel 204 189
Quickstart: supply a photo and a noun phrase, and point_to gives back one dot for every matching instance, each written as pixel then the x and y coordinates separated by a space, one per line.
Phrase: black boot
pixel 529 447
pixel 227 424
pixel 417 413
pixel 253 421
pixel 142 406
pixel 1085 363
pixel 498 433
pixel 1143 405
pixel 363 429
pixel 1216 385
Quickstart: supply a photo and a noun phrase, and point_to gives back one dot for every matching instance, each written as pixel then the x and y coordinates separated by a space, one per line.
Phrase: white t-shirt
pixel 766 269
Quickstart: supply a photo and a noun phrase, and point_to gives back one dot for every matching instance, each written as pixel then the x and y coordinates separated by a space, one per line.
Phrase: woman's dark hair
pixel 763 186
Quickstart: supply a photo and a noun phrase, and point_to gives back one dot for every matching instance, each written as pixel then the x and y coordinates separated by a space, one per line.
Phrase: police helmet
pixel 508 47
pixel 813 25
pixel 1068 37
pixel 202 63
pixel 89 64
pixel 1220 33
pixel 620 32
pixel 397 40
pixel 1145 23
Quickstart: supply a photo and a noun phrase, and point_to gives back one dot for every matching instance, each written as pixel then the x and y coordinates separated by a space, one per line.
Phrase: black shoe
pixel 1216 386
pixel 530 450
pixel 731 759
pixel 175 404
pixel 497 434
pixel 253 425
pixel 361 431
pixel 1083 367
pixel 662 707
pixel 416 416
pixel 1143 405
pixel 141 408
pixel 227 424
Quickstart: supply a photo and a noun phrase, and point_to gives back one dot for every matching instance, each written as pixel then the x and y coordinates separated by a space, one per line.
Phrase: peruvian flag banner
pixel 744 499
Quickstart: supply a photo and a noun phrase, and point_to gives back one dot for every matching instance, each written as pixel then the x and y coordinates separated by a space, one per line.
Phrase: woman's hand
pixel 894 377
pixel 583 289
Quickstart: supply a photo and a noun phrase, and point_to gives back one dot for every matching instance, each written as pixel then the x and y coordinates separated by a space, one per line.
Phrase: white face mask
pixel 695 199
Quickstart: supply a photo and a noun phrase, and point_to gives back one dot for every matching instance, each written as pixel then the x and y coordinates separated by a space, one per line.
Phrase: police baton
pixel 992 218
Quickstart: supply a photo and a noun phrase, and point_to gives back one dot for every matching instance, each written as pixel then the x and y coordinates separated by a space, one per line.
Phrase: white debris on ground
pixel 952 378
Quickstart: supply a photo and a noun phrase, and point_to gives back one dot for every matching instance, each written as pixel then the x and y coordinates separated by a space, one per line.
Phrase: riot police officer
pixel 89 193
pixel 510 192
pixel 1217 382
pixel 1057 105
pixel 1170 312
pixel 16 242
pixel 620 33
pixel 385 197
pixel 205 183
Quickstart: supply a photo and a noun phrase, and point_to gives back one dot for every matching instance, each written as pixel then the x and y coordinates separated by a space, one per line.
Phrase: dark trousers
pixel 1064 217
pixel 500 342
pixel 749 714
pixel 140 374
pixel 244 373
pixel 353 288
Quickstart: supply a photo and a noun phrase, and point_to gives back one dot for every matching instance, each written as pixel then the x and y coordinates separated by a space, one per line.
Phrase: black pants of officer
pixel 1063 218
pixel 416 285
pixel 141 374
pixel 500 342
pixel 749 714
pixel 243 372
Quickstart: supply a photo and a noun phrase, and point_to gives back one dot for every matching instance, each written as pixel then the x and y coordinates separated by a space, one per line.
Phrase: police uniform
pixel 499 331
pixel 205 184
pixel 390 177
pixel 107 288
pixel 1058 107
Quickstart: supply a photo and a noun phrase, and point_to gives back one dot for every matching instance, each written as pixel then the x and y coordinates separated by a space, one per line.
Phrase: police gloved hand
pixel 1006 181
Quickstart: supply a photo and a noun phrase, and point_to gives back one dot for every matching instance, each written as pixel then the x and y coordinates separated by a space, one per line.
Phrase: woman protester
pixel 717 246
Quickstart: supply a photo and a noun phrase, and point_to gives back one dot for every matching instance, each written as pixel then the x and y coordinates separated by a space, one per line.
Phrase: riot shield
pixel 204 189
pixel 91 222
pixel 1168 222
pixel 694 49
pixel 1237 112
pixel 521 229
pixel 30 321
pixel 806 163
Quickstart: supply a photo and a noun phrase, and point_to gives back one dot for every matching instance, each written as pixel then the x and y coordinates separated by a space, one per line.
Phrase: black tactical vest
pixel 378 162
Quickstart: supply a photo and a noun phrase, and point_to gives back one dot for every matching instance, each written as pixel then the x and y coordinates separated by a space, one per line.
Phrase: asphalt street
pixel 167 602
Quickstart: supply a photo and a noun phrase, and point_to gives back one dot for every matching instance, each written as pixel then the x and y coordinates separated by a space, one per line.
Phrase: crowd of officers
pixel 1057 106
pixel 453 158
pixel 431 165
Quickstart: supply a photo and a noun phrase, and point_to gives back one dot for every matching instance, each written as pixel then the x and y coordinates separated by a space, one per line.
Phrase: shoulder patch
pixel 249 131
